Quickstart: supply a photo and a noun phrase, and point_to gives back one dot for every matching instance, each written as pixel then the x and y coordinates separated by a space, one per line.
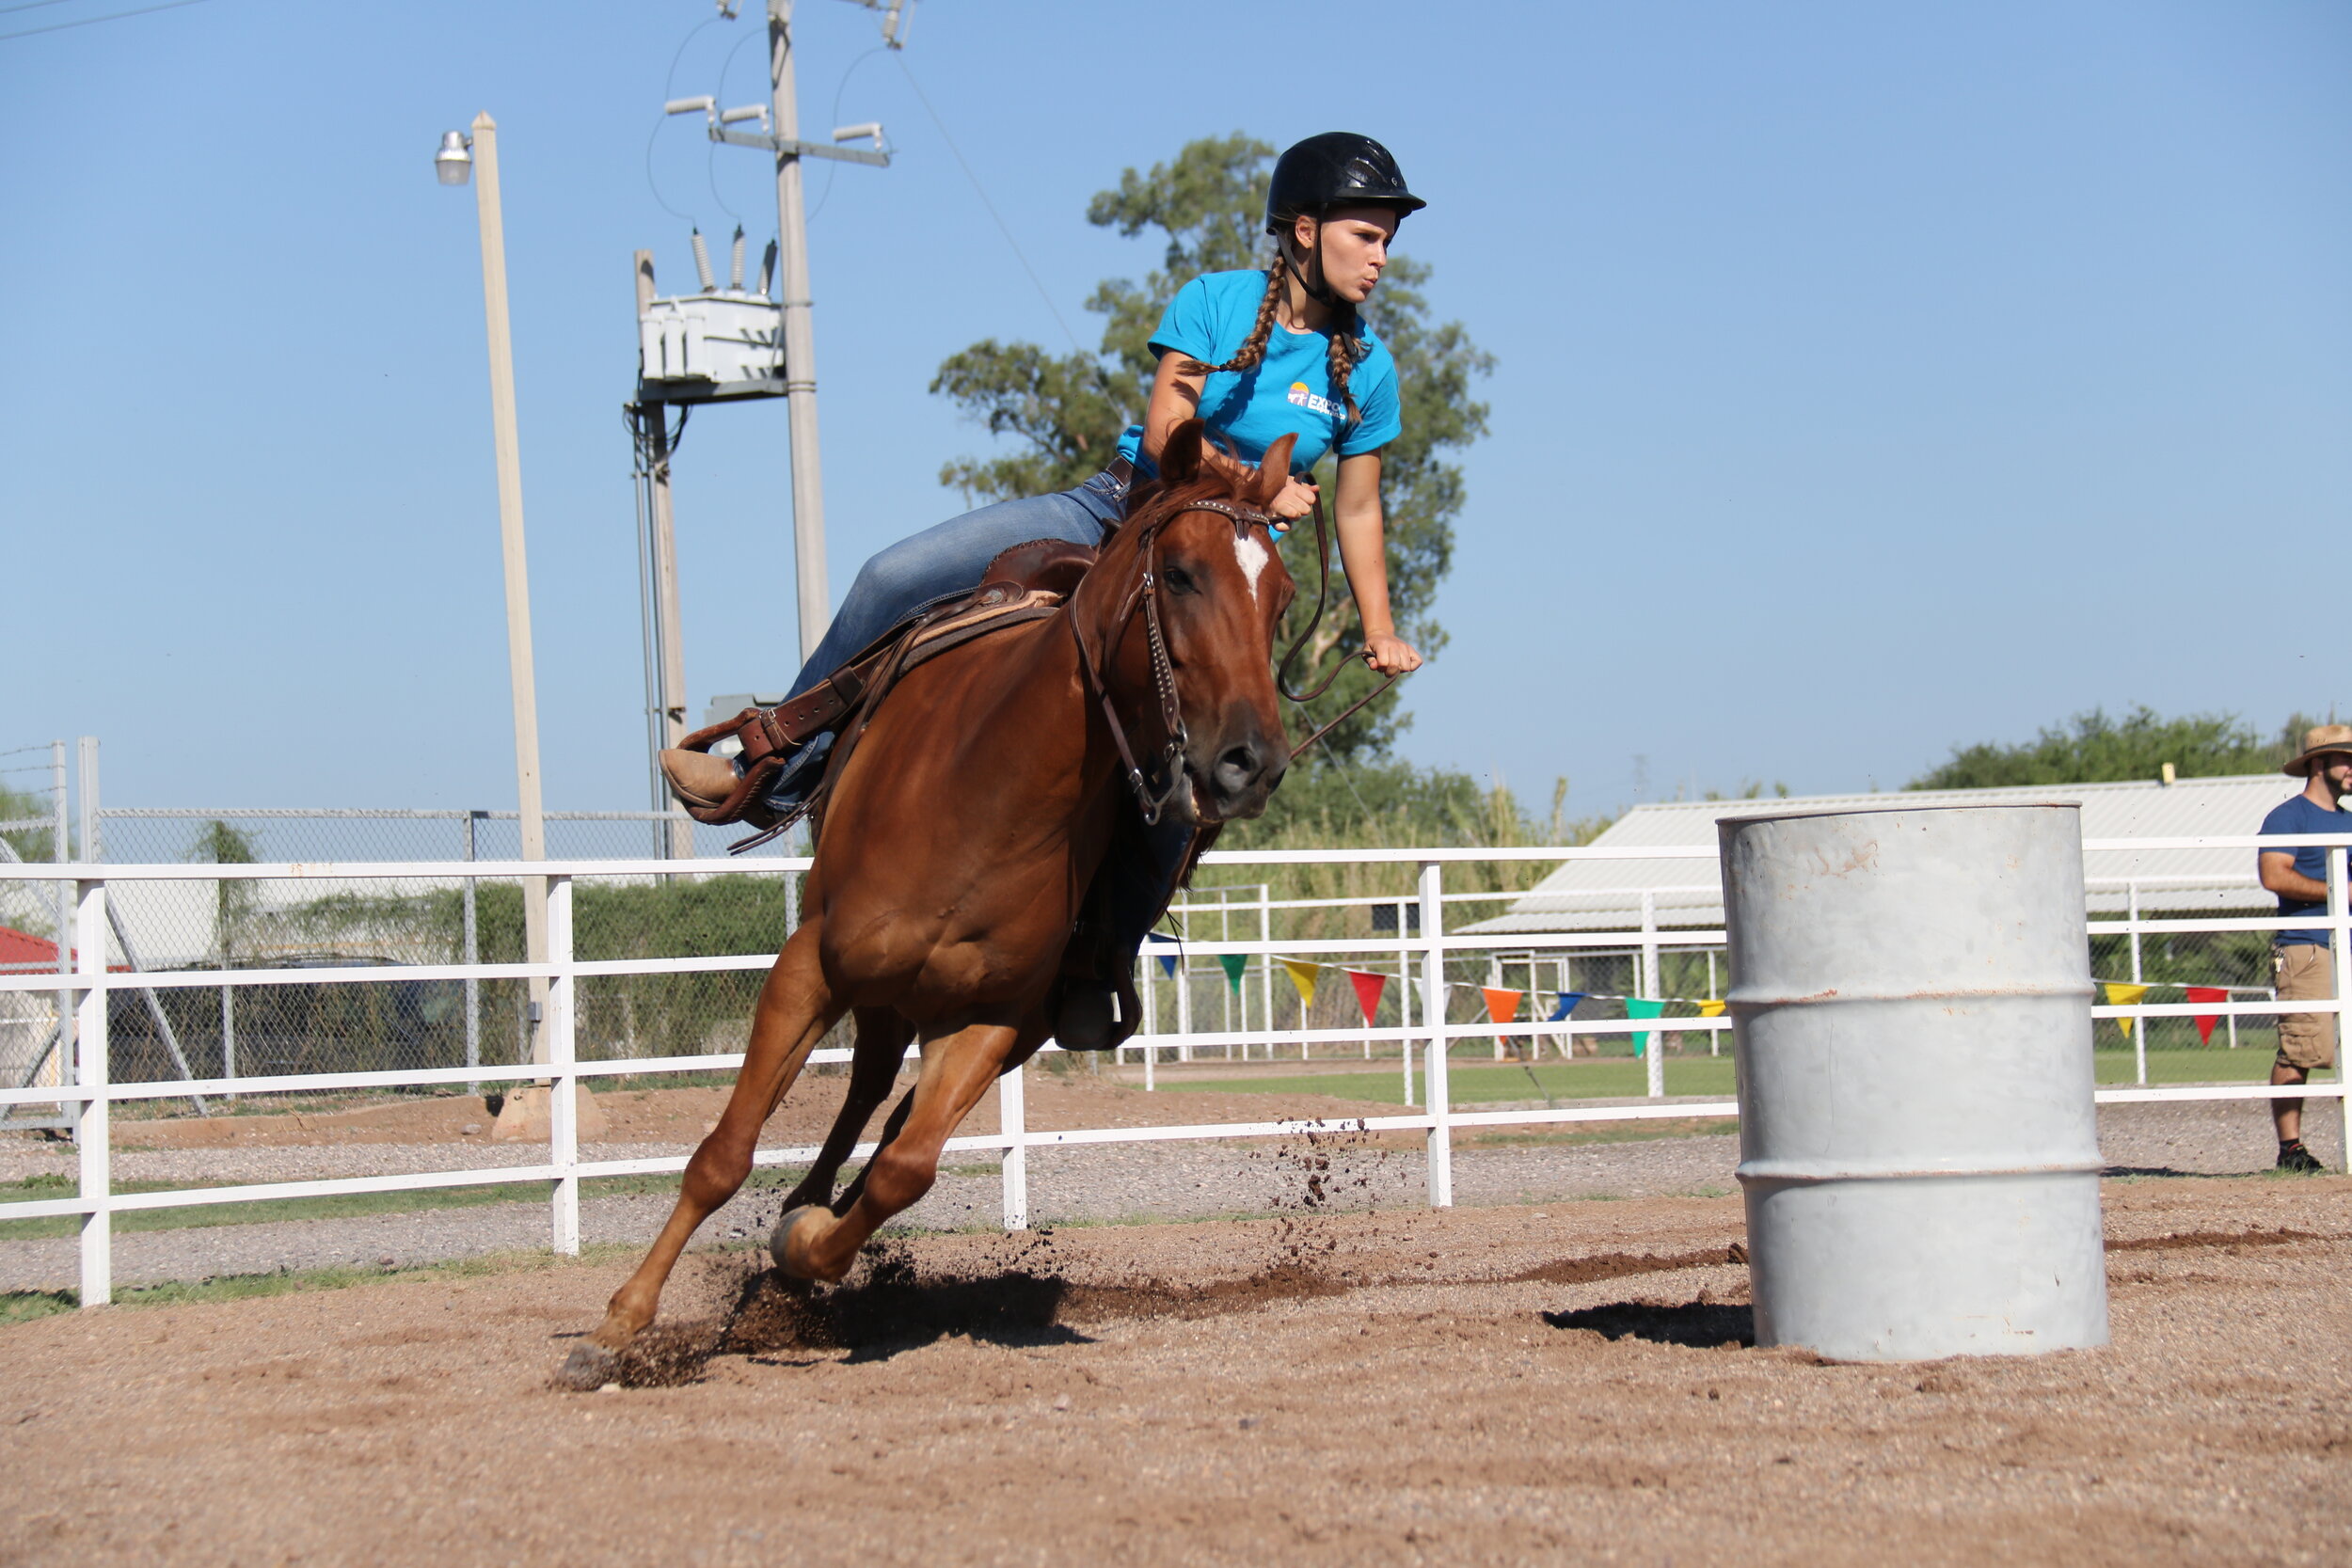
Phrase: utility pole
pixel 736 346
pixel 667 662
pixel 800 342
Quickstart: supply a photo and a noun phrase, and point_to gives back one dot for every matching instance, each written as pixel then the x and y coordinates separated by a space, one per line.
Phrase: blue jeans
pixel 934 565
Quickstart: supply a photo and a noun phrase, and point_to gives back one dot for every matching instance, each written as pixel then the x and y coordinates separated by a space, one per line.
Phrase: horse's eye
pixel 1179 581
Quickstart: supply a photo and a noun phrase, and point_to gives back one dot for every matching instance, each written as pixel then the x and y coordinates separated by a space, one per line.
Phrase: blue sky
pixel 1870 378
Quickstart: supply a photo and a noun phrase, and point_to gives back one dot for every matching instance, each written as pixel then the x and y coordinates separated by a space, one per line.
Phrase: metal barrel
pixel 1918 1145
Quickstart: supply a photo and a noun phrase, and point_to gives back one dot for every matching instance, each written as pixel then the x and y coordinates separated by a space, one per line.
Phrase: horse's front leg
pixel 882 1038
pixel 795 1010
pixel 958 1069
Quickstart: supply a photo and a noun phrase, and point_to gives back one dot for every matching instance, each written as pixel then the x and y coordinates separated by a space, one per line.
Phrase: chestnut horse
pixel 963 832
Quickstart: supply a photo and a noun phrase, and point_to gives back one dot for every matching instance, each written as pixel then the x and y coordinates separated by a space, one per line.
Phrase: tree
pixel 1208 205
pixel 2091 748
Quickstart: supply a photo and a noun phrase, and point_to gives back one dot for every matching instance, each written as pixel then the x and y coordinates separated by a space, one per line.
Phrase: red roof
pixel 22 951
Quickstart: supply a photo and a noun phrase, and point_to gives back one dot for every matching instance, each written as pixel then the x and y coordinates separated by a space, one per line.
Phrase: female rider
pixel 1255 356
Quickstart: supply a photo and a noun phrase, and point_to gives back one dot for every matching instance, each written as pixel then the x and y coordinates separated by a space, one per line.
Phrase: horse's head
pixel 1179 617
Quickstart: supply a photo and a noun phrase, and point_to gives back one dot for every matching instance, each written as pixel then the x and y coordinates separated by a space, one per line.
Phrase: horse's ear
pixel 1180 458
pixel 1274 471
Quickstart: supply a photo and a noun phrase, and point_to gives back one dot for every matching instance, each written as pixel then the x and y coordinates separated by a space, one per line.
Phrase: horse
pixel 960 839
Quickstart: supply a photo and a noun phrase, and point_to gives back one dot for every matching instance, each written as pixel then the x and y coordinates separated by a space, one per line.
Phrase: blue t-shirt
pixel 1287 392
pixel 2300 816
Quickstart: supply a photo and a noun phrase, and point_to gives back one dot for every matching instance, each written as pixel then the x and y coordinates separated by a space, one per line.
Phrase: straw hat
pixel 2326 737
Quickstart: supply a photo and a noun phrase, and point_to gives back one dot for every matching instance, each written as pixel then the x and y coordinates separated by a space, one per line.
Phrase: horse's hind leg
pixel 795 1010
pixel 957 1070
pixel 882 1038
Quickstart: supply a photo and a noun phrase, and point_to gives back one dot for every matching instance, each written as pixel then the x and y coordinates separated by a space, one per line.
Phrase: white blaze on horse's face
pixel 1253 557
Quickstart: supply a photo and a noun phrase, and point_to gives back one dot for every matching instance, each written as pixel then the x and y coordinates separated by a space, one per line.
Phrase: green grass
pixel 1468 1084
pixel 344 1206
pixel 1621 1077
pixel 2207 1065
pixel 18 1306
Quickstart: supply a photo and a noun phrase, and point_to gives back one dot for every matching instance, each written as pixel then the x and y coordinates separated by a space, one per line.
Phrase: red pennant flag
pixel 1368 987
pixel 2206 1021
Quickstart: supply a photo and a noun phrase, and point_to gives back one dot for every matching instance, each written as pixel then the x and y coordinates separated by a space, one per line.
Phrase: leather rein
pixel 1146 596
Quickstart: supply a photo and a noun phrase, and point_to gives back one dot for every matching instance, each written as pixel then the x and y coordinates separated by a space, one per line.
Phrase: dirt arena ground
pixel 1564 1383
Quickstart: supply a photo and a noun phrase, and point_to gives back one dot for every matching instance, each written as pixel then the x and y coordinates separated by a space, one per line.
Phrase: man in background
pixel 2300 959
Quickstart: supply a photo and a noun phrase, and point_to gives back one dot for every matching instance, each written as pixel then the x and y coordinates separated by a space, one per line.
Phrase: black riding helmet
pixel 1338 168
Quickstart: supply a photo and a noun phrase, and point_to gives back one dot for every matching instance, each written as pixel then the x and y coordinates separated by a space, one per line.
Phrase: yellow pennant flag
pixel 1711 1008
pixel 1304 975
pixel 2122 996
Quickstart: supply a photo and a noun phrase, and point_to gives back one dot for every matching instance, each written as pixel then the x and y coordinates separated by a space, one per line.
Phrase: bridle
pixel 1145 596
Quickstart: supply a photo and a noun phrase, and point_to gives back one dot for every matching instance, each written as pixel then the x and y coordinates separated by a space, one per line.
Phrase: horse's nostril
pixel 1238 769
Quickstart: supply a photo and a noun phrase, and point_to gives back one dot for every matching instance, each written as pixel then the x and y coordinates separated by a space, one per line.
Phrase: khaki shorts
pixel 2304 973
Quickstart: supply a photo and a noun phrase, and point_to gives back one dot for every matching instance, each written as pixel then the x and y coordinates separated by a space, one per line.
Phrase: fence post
pixel 1013 1120
pixel 2139 1025
pixel 1404 994
pixel 1433 973
pixel 562 1108
pixel 2340 946
pixel 93 1132
pixel 1183 1006
pixel 471 955
pixel 1653 1048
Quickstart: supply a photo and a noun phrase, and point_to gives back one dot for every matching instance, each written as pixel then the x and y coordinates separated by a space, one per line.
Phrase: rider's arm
pixel 1363 551
pixel 1175 398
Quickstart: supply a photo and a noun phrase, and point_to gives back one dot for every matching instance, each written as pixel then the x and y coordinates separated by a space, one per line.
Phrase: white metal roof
pixel 1607 895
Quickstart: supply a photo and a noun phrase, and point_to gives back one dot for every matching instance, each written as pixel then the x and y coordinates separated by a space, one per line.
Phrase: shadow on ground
pixel 1700 1325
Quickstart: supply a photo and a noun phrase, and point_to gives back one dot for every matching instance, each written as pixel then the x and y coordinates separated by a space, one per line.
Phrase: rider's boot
pixel 1091 1014
pixel 697 778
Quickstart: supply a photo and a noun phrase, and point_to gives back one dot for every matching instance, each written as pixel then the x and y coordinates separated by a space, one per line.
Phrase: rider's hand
pixel 1295 501
pixel 1391 654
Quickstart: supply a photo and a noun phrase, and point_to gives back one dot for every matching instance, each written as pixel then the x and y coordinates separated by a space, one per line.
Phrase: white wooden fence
pixel 96 1201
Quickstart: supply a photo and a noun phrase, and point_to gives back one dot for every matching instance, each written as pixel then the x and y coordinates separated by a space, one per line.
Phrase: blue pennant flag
pixel 1168 959
pixel 1568 999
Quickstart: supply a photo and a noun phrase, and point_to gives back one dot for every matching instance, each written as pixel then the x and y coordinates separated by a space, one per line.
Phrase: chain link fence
pixel 173 1032
pixel 396 1025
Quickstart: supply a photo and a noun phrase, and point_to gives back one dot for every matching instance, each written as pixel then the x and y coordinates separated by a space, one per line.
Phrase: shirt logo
pixel 1305 399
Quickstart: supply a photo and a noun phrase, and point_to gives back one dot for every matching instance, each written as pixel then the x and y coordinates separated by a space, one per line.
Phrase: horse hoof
pixel 588 1369
pixel 780 1243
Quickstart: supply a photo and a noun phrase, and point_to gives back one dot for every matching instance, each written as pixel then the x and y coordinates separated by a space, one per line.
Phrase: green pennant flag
pixel 1233 964
pixel 1643 1007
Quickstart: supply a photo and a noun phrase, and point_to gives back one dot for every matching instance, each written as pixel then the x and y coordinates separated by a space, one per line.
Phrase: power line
pixel 94 21
pixel 1002 226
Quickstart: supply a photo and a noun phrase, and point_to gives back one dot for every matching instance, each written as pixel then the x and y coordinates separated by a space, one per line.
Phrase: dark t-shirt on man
pixel 2301 815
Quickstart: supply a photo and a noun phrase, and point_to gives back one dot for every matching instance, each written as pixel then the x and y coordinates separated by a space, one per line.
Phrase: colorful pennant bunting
pixel 2122 996
pixel 1233 964
pixel 1643 1007
pixel 2206 1021
pixel 1166 952
pixel 1502 1006
pixel 1368 987
pixel 1566 1007
pixel 1304 975
pixel 1711 1008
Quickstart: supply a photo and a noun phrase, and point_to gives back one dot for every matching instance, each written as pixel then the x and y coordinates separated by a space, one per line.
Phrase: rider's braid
pixel 1253 350
pixel 1347 347
pixel 1347 344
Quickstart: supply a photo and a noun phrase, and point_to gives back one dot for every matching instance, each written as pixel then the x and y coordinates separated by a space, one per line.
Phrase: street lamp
pixel 525 1113
pixel 453 162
